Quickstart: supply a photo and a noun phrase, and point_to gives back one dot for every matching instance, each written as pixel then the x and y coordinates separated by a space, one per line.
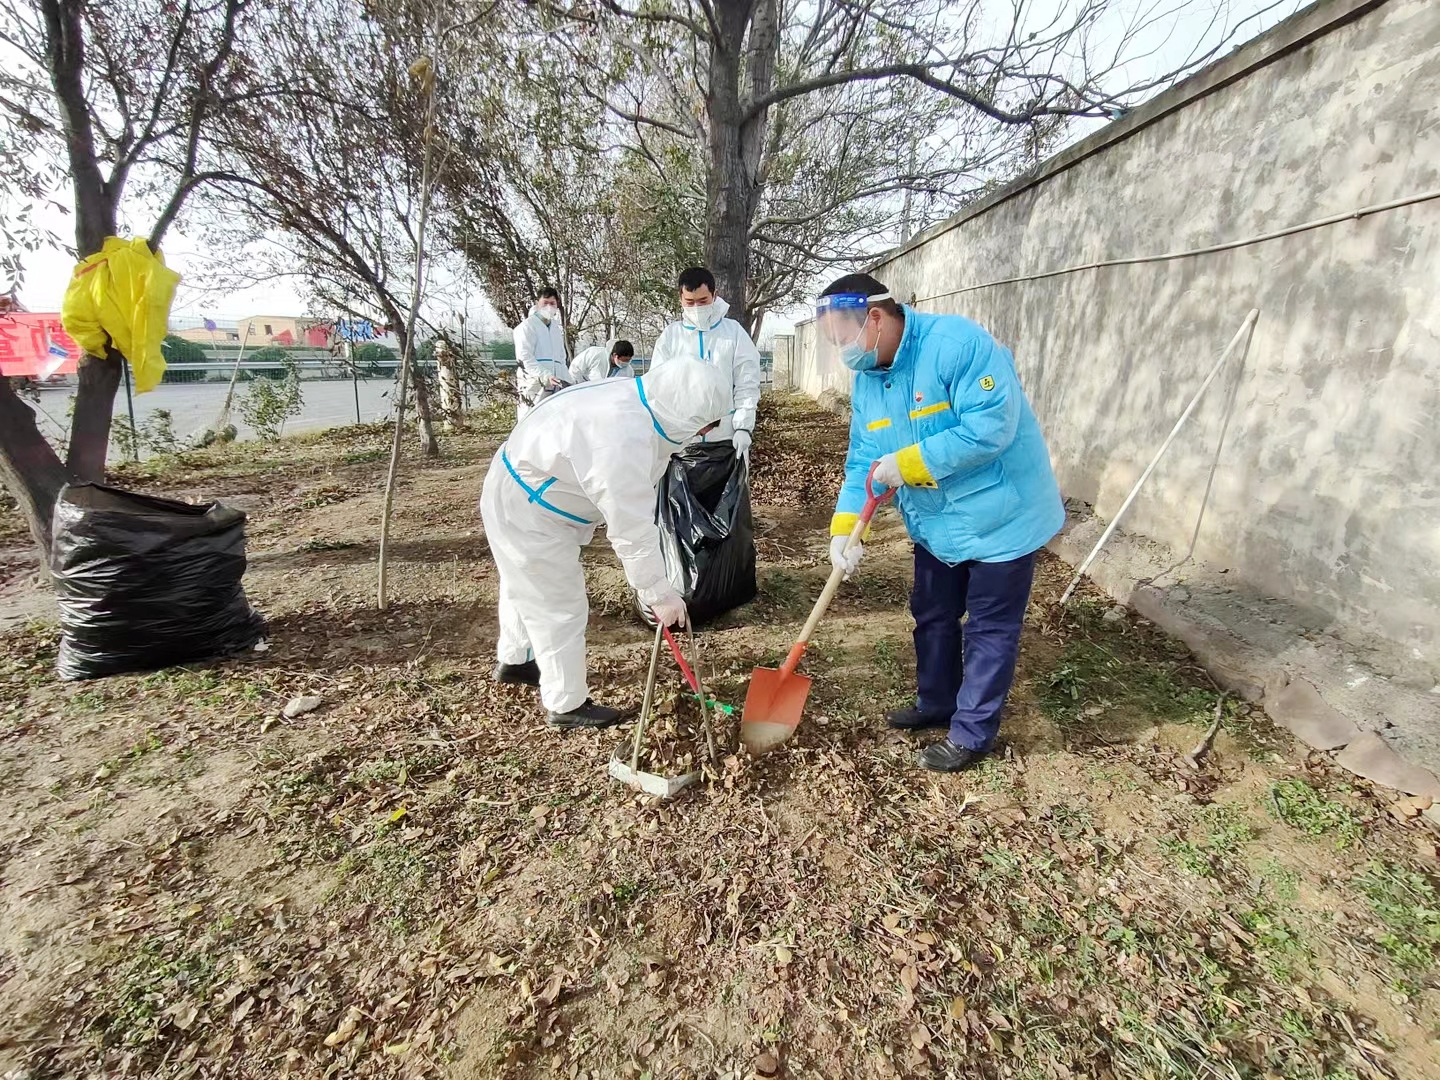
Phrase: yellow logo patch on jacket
pixel 987 383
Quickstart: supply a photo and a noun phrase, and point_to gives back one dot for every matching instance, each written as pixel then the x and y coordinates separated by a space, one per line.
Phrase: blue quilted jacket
pixel 978 482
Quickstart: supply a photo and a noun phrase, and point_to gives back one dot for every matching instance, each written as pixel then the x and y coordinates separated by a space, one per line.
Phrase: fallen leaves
pixel 183 1015
pixel 446 853
pixel 345 1030
pixel 550 993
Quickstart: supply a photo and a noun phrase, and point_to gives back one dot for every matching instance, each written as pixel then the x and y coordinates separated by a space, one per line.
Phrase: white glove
pixel 670 610
pixel 839 557
pixel 887 472
pixel 741 439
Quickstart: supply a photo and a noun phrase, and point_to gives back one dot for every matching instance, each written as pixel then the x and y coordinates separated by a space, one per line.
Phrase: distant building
pixel 256 331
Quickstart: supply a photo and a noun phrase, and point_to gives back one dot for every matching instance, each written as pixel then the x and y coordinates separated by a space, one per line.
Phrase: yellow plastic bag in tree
pixel 122 294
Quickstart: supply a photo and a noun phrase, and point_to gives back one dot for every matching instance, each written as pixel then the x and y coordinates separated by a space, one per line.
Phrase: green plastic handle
pixel 728 710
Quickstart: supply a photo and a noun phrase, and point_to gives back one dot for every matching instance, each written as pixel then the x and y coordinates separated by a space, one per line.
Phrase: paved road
pixel 194 406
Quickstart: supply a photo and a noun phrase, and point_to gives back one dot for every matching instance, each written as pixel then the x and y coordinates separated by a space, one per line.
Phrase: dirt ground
pixel 420 879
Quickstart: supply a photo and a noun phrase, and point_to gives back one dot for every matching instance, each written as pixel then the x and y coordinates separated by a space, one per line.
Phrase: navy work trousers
pixel 965 674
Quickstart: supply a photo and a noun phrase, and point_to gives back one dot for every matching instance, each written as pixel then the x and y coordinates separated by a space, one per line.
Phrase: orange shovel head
pixel 773 705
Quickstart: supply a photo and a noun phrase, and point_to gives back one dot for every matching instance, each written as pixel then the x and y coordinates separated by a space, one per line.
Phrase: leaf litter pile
pixel 415 877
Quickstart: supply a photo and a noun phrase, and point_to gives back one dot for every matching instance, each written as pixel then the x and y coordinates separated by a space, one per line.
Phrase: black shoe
pixel 915 720
pixel 526 674
pixel 588 715
pixel 945 756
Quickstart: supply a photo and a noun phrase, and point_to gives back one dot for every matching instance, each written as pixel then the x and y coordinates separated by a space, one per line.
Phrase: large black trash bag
pixel 145 583
pixel 706 532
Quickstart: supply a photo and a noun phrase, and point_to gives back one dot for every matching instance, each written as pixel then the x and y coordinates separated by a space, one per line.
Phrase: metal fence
pixel 317 364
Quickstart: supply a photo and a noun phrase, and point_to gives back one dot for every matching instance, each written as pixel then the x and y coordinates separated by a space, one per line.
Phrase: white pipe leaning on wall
pixel 1247 328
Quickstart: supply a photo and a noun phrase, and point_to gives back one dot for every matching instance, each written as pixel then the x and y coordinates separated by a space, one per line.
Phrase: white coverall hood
pixel 685 396
pixel 726 347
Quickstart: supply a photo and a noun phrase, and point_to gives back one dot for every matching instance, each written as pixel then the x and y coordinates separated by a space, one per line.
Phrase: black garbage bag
pixel 145 583
pixel 706 532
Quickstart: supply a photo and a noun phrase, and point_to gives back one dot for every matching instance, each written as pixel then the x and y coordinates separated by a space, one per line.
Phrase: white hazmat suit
pixel 589 454
pixel 593 364
pixel 726 346
pixel 540 356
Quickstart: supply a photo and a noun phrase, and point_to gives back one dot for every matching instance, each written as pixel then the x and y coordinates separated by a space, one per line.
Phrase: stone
pixel 1370 756
pixel 767 1065
pixel 299 706
pixel 1412 806
pixel 1299 708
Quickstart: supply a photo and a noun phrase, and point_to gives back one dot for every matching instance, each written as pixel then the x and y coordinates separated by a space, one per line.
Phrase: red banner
pixel 35 343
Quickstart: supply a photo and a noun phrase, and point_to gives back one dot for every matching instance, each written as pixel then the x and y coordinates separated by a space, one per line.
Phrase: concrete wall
pixel 1328 489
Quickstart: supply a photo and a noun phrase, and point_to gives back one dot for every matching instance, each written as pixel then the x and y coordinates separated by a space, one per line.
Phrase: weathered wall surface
pixel 1327 493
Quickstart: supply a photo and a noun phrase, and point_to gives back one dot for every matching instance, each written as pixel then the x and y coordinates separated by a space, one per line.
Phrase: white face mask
pixel 547 311
pixel 701 316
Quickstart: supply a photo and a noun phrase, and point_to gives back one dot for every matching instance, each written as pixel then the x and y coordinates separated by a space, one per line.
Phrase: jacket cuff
pixel 844 525
pixel 912 468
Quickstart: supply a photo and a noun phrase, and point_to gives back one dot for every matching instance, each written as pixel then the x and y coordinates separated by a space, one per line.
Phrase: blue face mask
pixel 858 358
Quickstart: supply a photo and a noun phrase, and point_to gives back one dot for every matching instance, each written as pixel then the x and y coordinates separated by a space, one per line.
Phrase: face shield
pixel 840 322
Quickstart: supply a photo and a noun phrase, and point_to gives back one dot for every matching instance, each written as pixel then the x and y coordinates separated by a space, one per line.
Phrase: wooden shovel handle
pixel 837 575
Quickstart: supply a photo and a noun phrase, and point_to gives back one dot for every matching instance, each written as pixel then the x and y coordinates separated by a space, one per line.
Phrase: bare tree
pixel 121 99
pixel 541 189
pixel 338 172
pixel 828 97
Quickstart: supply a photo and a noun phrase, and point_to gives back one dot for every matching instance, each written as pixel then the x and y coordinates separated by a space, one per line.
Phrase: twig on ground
pixel 1203 746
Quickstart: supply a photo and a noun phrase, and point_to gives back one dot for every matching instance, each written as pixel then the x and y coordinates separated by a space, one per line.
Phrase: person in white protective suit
pixel 589 454
pixel 704 333
pixel 609 361
pixel 542 362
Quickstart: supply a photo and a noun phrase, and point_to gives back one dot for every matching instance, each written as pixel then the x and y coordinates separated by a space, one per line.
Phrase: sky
pixel 1162 47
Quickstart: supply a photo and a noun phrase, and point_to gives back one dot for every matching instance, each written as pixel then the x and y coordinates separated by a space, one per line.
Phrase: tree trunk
pixel 736 144
pixel 448 376
pixel 429 444
pixel 727 228
pixel 29 465
pixel 99 378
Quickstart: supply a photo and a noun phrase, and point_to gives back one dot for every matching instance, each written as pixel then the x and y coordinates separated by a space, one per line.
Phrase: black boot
pixel 526 674
pixel 913 719
pixel 945 756
pixel 588 715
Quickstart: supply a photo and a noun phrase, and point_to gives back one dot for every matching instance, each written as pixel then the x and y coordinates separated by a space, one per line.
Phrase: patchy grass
pixel 1301 807
pixel 1407 904
pixel 318 544
pixel 151 979
pixel 362 457
pixel 1218 851
pixel 1283 882
pixel 392 877
pixel 1112 675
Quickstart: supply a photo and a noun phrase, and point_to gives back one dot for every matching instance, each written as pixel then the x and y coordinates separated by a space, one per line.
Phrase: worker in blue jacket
pixel 938 409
